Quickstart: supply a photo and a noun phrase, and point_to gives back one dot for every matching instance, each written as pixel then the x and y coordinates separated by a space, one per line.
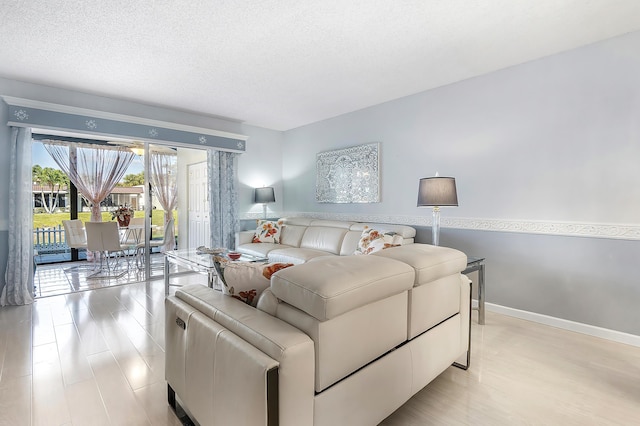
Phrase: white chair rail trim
pixel 565 228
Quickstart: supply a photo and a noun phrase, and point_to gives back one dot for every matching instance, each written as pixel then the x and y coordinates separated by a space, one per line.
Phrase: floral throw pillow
pixel 245 281
pixel 373 240
pixel 268 231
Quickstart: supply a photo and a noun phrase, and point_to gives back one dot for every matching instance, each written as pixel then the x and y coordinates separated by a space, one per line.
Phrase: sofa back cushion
pixel 429 262
pixel 341 237
pixel 323 238
pixel 350 243
pixel 301 221
pixel 332 223
pixel 291 235
pixel 333 285
pixel 355 308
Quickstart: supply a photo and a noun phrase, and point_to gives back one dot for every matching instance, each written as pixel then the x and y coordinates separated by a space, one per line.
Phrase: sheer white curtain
pixel 163 182
pixel 18 289
pixel 94 169
pixel 222 171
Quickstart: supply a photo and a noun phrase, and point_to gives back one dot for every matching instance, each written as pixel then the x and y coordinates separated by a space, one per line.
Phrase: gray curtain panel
pixel 19 274
pixel 222 172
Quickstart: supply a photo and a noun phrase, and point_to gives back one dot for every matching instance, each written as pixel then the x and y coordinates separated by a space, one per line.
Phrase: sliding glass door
pixel 160 206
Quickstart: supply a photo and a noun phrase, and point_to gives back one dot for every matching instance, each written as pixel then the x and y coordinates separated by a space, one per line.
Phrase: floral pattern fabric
pixel 268 231
pixel 373 240
pixel 245 281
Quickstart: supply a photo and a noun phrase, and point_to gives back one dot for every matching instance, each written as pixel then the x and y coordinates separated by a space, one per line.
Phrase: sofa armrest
pixel 197 368
pixel 244 237
pixel 272 338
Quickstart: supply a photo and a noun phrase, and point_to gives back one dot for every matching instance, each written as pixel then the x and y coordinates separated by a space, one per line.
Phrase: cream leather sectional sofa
pixel 303 239
pixel 340 340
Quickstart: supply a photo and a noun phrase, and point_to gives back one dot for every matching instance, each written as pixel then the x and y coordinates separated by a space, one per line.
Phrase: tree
pixel 132 179
pixel 53 180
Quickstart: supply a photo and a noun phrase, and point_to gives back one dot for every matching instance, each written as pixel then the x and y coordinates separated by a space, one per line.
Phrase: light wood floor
pixel 68 277
pixel 97 358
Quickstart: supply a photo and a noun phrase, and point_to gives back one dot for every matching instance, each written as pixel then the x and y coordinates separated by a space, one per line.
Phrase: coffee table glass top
pixel 206 260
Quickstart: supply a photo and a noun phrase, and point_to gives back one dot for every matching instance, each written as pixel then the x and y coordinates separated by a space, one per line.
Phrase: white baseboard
pixel 591 330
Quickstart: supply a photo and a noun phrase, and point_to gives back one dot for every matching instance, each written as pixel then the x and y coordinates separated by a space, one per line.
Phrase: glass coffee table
pixel 199 262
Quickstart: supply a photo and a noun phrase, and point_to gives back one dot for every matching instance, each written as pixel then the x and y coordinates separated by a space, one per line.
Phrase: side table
pixel 477 264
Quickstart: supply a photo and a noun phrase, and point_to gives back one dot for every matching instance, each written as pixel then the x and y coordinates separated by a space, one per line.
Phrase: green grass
pixel 46 220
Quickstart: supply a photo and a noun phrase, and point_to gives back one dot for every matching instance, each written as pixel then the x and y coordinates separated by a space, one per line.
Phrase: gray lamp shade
pixel 264 195
pixel 437 191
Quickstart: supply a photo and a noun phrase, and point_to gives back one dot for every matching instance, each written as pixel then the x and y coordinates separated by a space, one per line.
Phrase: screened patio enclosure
pixel 97 189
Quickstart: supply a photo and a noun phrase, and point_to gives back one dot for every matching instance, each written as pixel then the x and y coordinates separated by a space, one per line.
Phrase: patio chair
pixel 75 237
pixel 134 233
pixel 153 243
pixel 74 234
pixel 103 239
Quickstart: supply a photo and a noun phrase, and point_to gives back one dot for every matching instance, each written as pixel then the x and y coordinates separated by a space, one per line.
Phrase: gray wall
pixel 587 280
pixel 260 164
pixel 555 140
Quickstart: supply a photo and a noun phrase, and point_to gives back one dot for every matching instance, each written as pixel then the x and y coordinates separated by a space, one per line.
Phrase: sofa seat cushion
pixel 259 249
pixel 332 285
pixel 430 262
pixel 295 255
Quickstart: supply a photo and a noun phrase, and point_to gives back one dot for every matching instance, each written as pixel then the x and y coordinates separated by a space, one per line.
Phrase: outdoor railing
pixel 50 240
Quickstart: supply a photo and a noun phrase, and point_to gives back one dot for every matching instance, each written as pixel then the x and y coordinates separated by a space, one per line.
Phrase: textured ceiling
pixel 281 64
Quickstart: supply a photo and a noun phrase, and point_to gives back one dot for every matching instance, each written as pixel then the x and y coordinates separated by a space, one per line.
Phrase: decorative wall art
pixel 349 175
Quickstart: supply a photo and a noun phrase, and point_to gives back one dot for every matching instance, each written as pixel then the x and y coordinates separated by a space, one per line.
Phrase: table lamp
pixel 264 195
pixel 436 192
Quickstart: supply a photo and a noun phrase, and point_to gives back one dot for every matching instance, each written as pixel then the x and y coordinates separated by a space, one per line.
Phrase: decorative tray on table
pixel 206 250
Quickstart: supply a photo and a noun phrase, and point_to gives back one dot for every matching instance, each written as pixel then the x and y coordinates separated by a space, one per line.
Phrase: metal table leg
pixel 477 264
pixel 166 275
pixel 481 294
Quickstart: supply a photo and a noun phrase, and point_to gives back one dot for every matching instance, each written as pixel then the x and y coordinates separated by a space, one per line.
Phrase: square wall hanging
pixel 349 175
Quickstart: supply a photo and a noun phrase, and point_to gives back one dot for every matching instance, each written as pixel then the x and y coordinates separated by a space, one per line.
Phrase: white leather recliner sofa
pixel 340 340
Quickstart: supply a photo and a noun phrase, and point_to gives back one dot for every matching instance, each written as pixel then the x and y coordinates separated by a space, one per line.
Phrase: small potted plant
pixel 123 214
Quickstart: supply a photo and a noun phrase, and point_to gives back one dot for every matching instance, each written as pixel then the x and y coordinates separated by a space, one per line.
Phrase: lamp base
pixel 435 227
